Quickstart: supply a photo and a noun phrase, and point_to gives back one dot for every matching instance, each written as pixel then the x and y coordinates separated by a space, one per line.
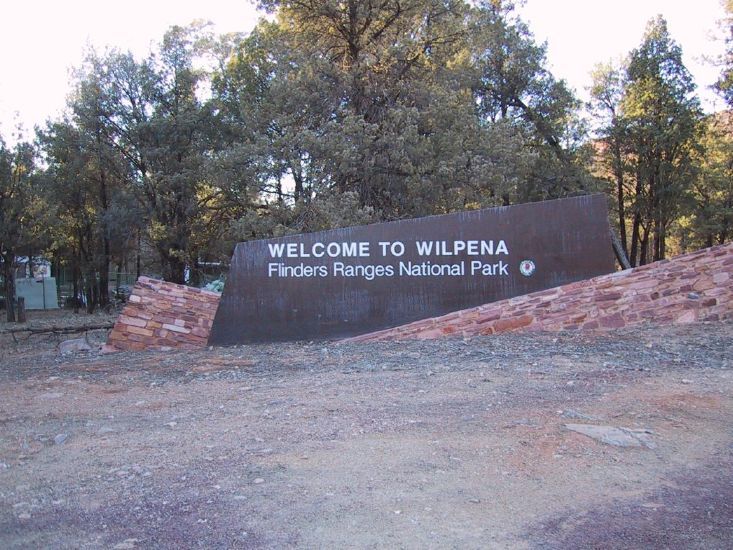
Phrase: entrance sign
pixel 356 280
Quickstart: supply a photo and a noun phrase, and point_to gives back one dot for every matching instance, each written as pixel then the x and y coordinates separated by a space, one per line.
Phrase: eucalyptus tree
pixel 69 187
pixel 269 121
pixel 712 220
pixel 91 181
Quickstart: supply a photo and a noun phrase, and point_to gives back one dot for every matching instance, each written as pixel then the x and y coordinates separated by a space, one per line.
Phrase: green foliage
pixel 151 115
pixel 416 107
pixel 650 133
pixel 17 223
pixel 323 212
pixel 711 219
pixel 724 84
pixel 342 113
pixel 22 213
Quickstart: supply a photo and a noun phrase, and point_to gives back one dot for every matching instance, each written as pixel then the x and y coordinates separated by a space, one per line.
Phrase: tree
pixel 712 191
pixel 606 95
pixel 20 210
pixel 663 115
pixel 724 84
pixel 365 70
pixel 391 101
pixel 514 84
pixel 95 221
pixel 150 114
pixel 650 132
pixel 712 220
pixel 330 113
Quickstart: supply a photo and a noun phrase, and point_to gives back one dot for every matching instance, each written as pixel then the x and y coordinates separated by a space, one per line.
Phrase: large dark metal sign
pixel 361 279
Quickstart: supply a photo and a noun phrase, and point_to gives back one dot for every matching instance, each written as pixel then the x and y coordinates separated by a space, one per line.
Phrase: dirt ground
pixel 437 444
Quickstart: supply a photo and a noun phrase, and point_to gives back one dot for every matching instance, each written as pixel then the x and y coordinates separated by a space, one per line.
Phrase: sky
pixel 40 41
pixel 583 33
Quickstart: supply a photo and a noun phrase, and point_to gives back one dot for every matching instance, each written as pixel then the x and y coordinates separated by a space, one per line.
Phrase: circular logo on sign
pixel 526 267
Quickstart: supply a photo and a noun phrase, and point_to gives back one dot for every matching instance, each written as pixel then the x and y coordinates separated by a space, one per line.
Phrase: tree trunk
pixel 623 260
pixel 661 250
pixel 174 269
pixel 103 286
pixel 90 291
pixel 77 279
pixel 21 310
pixel 725 229
pixel 137 255
pixel 652 214
pixel 279 190
pixel 297 173
pixel 635 238
pixel 9 278
pixel 619 169
pixel 645 246
pixel 657 240
pixel 117 278
pixel 195 275
pixel 636 224
pixel 104 275
pixel 103 290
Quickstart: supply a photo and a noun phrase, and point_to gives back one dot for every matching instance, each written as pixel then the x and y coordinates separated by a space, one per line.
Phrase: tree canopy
pixel 338 113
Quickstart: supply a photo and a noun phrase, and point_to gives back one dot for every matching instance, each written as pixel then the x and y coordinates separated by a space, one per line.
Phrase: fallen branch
pixel 57 329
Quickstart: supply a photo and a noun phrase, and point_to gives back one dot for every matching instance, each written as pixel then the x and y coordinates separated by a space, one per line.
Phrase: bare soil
pixel 436 444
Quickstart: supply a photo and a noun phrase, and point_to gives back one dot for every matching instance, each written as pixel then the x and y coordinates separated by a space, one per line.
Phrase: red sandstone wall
pixel 689 288
pixel 162 316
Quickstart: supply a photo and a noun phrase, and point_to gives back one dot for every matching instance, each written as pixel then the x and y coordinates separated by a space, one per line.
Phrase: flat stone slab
pixel 617 436
pixel 75 345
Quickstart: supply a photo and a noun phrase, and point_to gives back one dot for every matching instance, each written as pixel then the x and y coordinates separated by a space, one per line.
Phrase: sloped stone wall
pixel 685 289
pixel 163 316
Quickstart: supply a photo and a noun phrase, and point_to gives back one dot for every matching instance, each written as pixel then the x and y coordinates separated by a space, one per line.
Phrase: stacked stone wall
pixel 163 316
pixel 686 289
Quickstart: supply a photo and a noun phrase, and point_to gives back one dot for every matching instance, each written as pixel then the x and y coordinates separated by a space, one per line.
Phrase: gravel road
pixel 435 444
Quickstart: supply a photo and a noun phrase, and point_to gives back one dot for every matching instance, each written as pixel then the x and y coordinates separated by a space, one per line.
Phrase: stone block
pixel 139 331
pixel 429 334
pixel 506 325
pixel 200 332
pixel 612 321
pixel 132 321
pixel 180 317
pixel 687 317
pixel 161 315
pixel 643 284
pixel 176 328
pixel 703 284
pixel 108 348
